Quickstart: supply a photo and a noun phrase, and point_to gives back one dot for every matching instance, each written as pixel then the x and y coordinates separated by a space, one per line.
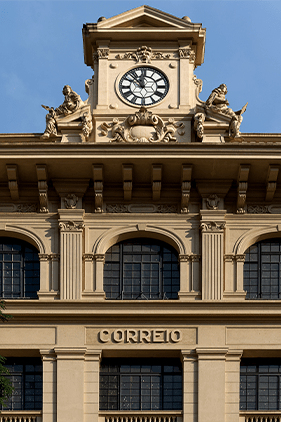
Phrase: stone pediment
pixel 143 16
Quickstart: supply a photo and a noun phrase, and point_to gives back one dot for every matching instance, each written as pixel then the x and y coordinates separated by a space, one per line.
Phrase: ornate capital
pixel 43 257
pixel 99 257
pixel 195 258
pixel 71 226
pixel 212 227
pixel 240 258
pixel 228 258
pixel 187 53
pixel 103 53
pixel 88 257
pixel 184 258
pixel 54 257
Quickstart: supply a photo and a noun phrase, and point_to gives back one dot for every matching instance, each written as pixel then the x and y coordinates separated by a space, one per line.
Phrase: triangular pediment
pixel 142 17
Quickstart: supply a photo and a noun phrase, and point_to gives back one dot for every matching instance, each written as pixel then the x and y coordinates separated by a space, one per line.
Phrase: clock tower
pixel 144 82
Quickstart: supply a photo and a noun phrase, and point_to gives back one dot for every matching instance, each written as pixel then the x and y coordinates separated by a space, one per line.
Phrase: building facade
pixel 140 243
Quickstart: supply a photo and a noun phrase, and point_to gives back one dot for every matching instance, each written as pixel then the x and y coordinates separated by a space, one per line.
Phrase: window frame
pixel 22 378
pixel 259 286
pixel 25 280
pixel 173 281
pixel 135 367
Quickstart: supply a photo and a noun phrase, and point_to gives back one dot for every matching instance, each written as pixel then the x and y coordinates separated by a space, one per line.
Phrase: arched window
pixel 19 269
pixel 141 269
pixel 262 270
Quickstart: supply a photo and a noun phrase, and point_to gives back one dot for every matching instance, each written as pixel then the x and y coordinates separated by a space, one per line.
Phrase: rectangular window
pixel 140 384
pixel 26 377
pixel 260 384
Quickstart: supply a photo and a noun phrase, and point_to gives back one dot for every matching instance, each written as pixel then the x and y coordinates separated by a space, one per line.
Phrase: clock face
pixel 143 86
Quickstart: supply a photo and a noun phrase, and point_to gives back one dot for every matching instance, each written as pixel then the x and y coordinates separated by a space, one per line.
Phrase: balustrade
pixel 267 416
pixel 20 416
pixel 141 416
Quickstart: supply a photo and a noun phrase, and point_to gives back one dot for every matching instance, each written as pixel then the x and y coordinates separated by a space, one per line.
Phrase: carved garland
pixel 212 226
pixel 123 131
pixel 71 226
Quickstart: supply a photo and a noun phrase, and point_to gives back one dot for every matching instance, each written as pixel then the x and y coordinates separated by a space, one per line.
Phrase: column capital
pixel 211 353
pixel 240 258
pixel 99 257
pixel 47 354
pixel 212 227
pixel 70 352
pixel 71 226
pixel 43 257
pixel 88 257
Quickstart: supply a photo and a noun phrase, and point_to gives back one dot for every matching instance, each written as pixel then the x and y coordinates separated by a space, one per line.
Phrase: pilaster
pixel 212 228
pixel 70 383
pixel 190 385
pixel 211 384
pixel 71 230
pixel 103 53
pixel 189 275
pixel 49 385
pixel 91 385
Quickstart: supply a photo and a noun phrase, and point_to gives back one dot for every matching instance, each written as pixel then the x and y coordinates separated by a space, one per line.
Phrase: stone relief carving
pixel 103 53
pixel 187 53
pixel 212 202
pixel 72 102
pixel 25 208
pixel 143 126
pixel 199 119
pixel 212 226
pixel 141 208
pixel 70 201
pixel 219 104
pixel 71 226
pixel 87 125
pixel 143 54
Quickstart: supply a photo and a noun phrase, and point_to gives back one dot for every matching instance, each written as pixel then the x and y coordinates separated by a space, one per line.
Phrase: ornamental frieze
pixel 143 126
pixel 142 208
pixel 143 54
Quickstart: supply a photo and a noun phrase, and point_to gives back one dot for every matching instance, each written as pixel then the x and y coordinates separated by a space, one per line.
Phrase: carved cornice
pixel 143 54
pixel 212 227
pixel 123 131
pixel 71 226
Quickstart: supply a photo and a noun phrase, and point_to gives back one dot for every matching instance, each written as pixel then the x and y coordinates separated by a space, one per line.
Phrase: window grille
pixel 141 269
pixel 140 384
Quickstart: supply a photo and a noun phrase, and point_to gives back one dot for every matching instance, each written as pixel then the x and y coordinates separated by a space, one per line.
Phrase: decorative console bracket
pixel 98 186
pixel 12 173
pixel 185 187
pixel 127 181
pixel 242 188
pixel 42 187
pixel 156 181
pixel 272 176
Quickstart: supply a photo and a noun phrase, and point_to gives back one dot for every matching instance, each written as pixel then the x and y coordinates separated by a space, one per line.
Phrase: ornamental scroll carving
pixel 143 126
pixel 71 226
pixel 143 54
pixel 212 227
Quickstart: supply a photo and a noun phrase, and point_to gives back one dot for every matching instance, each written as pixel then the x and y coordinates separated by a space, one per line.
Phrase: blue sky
pixel 41 50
